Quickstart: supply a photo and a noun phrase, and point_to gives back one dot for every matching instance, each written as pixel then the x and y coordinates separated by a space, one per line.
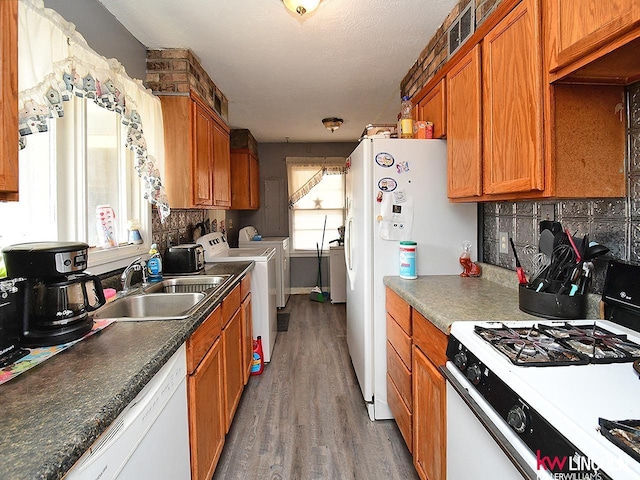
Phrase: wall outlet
pixel 547 211
pixel 503 239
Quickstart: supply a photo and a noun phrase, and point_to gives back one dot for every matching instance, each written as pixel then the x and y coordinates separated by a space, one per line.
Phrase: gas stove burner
pixel 599 344
pixel 566 344
pixel 528 346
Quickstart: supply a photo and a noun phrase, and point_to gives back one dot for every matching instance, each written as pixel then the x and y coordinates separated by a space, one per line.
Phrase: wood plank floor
pixel 304 417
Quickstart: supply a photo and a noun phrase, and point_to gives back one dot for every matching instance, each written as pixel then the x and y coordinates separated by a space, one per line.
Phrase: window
pixel 324 200
pixel 65 173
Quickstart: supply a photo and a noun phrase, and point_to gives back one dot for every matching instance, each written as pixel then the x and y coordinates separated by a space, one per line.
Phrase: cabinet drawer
pixel 230 304
pixel 429 339
pixel 403 416
pixel 399 310
pixel 245 286
pixel 400 341
pixel 201 340
pixel 400 374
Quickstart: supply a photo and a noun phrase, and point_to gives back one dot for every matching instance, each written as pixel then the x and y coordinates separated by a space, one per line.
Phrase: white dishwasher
pixel 149 440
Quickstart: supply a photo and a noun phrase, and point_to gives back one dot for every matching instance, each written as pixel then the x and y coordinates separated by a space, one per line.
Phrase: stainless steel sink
pixel 151 306
pixel 188 284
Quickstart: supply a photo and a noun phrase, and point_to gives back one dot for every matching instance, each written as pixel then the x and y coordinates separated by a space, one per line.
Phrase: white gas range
pixel 544 399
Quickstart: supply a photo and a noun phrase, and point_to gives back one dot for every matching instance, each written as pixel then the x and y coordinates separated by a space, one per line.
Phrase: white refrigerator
pixel 396 190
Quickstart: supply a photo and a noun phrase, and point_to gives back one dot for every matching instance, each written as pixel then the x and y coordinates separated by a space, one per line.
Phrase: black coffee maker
pixel 57 295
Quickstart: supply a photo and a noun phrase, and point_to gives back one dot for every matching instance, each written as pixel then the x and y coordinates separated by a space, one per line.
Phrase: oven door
pixel 480 444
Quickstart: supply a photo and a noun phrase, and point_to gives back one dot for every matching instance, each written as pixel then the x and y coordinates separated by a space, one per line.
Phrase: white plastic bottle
pixel 406 121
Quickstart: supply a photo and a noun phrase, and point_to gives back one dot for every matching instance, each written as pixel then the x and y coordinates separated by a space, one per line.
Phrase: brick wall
pixel 434 55
pixel 178 71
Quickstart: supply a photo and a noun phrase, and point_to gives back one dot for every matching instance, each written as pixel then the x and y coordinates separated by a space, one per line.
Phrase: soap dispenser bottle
pixel 154 264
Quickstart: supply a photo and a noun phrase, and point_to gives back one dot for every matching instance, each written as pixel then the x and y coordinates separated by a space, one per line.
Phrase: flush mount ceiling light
pixel 301 6
pixel 332 123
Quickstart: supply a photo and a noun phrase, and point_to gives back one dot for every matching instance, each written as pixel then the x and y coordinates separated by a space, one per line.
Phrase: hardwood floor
pixel 304 417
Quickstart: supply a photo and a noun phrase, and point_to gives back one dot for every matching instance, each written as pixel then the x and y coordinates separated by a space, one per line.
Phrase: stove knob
pixel 460 360
pixel 474 374
pixel 517 418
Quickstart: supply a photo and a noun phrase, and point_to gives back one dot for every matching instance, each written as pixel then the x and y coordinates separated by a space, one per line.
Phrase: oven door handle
pixel 518 461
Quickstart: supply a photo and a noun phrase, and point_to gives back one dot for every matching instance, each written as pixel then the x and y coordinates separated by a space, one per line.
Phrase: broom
pixel 317 295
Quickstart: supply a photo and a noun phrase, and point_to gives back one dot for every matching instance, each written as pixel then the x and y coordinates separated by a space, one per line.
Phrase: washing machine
pixel 247 237
pixel 263 283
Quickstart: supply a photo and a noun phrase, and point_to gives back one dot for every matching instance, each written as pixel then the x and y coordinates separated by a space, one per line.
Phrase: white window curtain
pixel 55 62
pixel 309 173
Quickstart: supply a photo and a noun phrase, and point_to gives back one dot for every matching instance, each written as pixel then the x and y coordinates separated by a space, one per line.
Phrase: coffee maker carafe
pixel 57 295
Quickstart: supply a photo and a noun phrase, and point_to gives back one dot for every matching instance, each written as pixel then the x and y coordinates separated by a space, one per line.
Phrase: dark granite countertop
pixel 444 299
pixel 50 415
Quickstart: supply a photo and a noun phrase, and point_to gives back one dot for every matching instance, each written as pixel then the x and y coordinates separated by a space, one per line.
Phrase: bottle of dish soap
pixel 154 264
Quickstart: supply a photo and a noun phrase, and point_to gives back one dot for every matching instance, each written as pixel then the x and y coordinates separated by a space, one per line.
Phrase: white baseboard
pixel 304 290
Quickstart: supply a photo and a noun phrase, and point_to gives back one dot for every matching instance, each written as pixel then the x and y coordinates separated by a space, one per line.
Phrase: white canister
pixel 408 260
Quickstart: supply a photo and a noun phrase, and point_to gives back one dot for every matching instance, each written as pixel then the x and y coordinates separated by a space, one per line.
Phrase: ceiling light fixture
pixel 301 6
pixel 332 123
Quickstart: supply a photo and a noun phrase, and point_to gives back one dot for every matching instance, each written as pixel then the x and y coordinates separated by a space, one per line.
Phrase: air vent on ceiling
pixel 462 28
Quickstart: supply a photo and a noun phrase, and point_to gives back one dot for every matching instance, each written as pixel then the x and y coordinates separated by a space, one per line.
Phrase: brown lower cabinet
pixel 415 387
pixel 429 420
pixel 233 366
pixel 429 400
pixel 247 329
pixel 205 396
pixel 217 369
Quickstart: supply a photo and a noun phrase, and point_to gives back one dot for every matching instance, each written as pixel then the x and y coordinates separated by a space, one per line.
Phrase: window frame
pixel 319 162
pixel 67 211
pixel 101 260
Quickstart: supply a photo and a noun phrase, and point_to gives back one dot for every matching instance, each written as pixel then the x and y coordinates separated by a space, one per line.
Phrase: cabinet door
pixel 206 414
pixel 429 420
pixel 247 338
pixel 464 127
pixel 433 108
pixel 512 103
pixel 202 156
pixel 240 187
pixel 233 366
pixel 221 167
pixel 9 99
pixel 581 27
pixel 254 182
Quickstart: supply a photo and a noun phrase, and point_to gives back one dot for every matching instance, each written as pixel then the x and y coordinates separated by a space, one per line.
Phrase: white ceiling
pixel 281 73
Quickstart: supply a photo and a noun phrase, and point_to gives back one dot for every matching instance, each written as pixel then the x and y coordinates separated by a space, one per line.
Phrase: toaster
pixel 186 258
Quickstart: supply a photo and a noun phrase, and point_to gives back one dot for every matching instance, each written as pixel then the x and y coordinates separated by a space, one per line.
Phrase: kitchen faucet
pixel 135 265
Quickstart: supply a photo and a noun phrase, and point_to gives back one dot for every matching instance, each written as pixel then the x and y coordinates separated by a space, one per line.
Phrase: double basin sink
pixel 170 299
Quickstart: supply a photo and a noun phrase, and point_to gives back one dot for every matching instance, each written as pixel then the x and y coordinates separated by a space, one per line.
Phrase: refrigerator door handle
pixel 348 253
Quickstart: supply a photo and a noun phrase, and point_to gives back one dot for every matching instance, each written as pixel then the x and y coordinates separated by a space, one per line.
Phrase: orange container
pixel 257 365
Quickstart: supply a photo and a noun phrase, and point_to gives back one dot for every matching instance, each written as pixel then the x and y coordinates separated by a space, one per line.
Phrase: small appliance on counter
pixel 57 295
pixel 184 259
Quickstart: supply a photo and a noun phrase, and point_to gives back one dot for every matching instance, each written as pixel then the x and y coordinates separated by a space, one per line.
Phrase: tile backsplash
pixel 614 223
pixel 178 228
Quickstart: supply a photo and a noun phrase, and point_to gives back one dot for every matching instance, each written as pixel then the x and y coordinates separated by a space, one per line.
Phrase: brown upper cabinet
pixel 464 127
pixel 197 154
pixel 513 133
pixel 245 171
pixel 512 106
pixel 593 41
pixel 9 99
pixel 245 180
pixel 433 108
